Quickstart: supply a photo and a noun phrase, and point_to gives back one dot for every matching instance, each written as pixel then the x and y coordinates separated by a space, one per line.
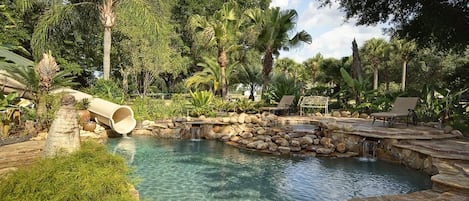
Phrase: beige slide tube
pixel 119 118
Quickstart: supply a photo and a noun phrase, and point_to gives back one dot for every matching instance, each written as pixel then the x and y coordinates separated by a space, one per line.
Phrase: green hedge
pixel 89 174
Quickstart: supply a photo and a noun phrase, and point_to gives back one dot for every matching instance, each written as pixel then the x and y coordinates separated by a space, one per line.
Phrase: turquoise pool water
pixel 211 170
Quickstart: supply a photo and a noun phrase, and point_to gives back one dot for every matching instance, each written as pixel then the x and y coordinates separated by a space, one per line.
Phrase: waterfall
pixel 195 133
pixel 126 149
pixel 369 151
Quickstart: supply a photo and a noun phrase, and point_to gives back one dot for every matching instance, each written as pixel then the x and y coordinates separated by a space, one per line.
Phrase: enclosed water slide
pixel 119 118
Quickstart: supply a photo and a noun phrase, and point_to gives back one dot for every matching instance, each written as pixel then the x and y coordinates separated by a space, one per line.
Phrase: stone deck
pixel 20 154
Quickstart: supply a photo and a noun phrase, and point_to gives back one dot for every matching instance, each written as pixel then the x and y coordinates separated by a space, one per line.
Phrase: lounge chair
pixel 402 107
pixel 284 105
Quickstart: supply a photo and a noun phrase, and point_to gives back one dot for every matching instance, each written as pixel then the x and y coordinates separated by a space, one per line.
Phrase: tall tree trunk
pixel 375 78
pixel 222 63
pixel 357 68
pixel 267 68
pixel 404 74
pixel 251 95
pixel 107 53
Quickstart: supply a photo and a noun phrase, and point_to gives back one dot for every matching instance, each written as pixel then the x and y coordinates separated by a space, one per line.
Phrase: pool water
pixel 211 170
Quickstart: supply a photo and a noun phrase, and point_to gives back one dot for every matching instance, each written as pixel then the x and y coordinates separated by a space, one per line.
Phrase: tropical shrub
pixel 108 90
pixel 152 109
pixel 246 105
pixel 439 106
pixel 201 102
pixel 91 174
pixel 281 86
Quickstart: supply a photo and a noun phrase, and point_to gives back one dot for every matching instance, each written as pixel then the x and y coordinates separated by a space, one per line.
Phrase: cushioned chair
pixel 284 105
pixel 402 107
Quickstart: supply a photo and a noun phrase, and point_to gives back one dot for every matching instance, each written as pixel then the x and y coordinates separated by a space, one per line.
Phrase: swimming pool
pixel 210 170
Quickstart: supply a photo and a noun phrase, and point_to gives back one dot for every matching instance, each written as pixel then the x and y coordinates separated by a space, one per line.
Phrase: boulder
pixel 225 138
pixel 226 120
pixel 313 147
pixel 316 141
pixel 306 140
pixel 244 141
pixel 228 130
pixel 246 135
pixel 272 147
pixel 326 142
pixel 347 127
pixel 295 143
pixel 295 149
pixel 363 116
pixel 247 119
pixel 242 118
pixel 336 114
pixel 324 150
pixel 143 132
pixel 235 138
pixel 233 120
pixel 261 131
pixel 355 114
pixel 284 150
pixel 282 142
pixel 457 133
pixel 341 148
pixel 40 136
pixel 262 146
pixel 345 113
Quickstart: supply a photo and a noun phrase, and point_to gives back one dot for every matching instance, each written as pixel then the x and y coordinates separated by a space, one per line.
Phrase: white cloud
pixel 332 36
pixel 279 3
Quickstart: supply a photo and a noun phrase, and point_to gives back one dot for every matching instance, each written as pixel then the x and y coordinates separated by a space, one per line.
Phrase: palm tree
pixel 373 51
pixel 274 26
pixel 405 49
pixel 62 17
pixel 210 76
pixel 108 19
pixel 313 64
pixel 221 31
pixel 249 75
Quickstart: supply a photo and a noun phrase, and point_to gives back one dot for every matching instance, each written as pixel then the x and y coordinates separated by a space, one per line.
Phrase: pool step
pixel 426 195
pixel 449 182
pixel 444 149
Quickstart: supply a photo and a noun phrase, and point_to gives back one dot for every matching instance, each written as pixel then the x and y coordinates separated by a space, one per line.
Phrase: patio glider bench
pixel 402 107
pixel 321 102
pixel 284 105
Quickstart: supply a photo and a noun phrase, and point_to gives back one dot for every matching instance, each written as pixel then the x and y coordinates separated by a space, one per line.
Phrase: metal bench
pixel 321 102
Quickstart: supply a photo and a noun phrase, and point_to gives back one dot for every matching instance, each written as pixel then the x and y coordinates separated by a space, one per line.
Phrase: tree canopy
pixel 441 22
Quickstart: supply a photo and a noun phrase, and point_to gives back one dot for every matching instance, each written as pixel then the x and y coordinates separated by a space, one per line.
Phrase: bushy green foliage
pixel 152 109
pixel 108 90
pixel 281 86
pixel 92 173
pixel 436 105
pixel 223 105
pixel 246 105
pixel 201 101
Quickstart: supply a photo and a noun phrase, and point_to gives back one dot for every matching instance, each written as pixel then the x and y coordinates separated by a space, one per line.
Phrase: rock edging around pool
pixel 334 137
pixel 260 132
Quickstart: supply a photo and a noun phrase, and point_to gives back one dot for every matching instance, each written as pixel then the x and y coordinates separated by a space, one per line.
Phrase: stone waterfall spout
pixel 119 118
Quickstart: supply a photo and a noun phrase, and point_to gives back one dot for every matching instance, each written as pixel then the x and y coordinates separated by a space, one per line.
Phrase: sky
pixel 332 36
